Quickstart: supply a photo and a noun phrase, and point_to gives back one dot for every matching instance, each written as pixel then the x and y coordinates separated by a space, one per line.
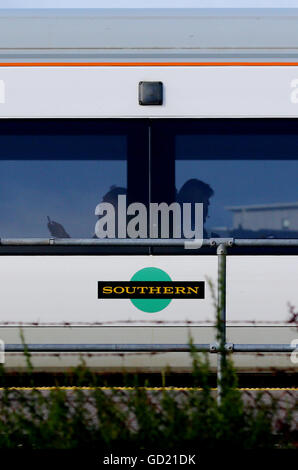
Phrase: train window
pixel 243 198
pixel 53 175
pixel 244 172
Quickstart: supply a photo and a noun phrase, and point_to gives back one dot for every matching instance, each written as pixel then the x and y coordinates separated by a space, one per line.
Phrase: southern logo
pixel 151 290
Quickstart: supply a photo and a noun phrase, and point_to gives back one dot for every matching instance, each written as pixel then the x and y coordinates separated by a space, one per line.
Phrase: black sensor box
pixel 150 93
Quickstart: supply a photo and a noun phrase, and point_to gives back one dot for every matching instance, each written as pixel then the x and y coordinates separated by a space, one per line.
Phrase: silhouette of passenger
pixel 112 198
pixel 57 230
pixel 193 191
pixel 112 195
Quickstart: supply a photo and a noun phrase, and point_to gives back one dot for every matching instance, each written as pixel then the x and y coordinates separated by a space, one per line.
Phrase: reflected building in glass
pixel 274 218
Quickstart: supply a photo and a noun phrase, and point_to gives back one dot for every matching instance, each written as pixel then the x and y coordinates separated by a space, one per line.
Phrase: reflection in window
pixel 254 198
pixel 42 197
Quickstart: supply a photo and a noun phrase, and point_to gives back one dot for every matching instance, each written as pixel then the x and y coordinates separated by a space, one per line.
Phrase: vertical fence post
pixel 221 317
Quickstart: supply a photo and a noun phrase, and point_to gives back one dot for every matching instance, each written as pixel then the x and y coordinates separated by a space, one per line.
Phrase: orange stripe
pixel 148 64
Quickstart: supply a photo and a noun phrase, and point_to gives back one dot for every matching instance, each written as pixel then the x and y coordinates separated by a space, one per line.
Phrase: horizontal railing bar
pixel 145 242
pixel 25 241
pixel 104 347
pixel 213 347
pixel 263 348
pixel 265 242
pixel 94 241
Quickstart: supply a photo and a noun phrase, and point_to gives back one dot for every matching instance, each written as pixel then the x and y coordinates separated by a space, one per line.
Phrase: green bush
pixel 60 419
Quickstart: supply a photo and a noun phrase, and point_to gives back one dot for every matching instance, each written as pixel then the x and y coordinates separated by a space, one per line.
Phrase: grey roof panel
pixel 149 33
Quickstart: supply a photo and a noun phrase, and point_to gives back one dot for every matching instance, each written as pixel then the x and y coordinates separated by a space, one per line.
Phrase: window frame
pixel 164 131
pixel 152 167
pixel 136 131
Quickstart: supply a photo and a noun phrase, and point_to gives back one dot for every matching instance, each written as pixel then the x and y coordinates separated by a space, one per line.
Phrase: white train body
pixel 49 74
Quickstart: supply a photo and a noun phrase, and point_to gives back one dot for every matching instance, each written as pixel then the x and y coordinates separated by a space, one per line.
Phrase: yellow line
pixel 141 388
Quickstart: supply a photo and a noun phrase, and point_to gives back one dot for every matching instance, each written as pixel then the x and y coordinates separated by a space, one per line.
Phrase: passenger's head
pixel 195 190
pixel 112 195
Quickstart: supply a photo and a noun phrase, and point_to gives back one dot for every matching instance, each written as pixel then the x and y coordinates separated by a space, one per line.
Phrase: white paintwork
pixel 2 92
pixel 113 91
pixel 54 289
pixel 64 289
pixel 259 288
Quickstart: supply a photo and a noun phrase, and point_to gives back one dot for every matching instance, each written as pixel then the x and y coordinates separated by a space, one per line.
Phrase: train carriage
pixel 156 106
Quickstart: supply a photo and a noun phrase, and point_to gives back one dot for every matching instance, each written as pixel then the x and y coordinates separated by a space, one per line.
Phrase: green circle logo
pixel 151 305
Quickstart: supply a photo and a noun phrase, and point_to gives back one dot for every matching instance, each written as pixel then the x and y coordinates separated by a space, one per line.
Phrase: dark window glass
pixel 53 175
pixel 65 191
pixel 246 180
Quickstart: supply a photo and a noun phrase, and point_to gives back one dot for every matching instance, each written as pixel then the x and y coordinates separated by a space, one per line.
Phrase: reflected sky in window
pixel 241 182
pixel 66 191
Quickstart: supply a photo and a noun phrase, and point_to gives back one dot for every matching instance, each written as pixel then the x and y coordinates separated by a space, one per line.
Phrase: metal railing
pixel 221 348
pixel 213 242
